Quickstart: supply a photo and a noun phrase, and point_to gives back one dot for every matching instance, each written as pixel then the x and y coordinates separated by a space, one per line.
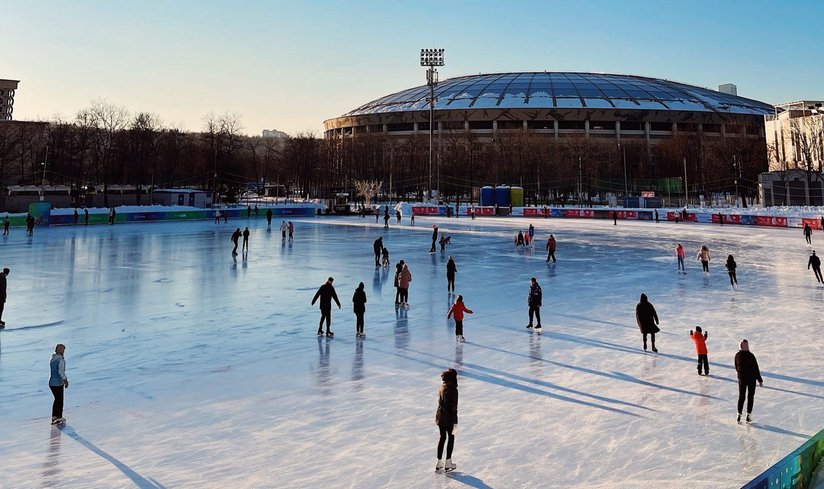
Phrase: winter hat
pixel 745 345
pixel 698 329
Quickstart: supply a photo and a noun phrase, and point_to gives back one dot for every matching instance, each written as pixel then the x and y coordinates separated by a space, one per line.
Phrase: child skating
pixel 458 309
pixel 700 339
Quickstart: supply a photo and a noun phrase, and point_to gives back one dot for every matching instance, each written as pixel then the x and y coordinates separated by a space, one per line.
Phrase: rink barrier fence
pixel 793 471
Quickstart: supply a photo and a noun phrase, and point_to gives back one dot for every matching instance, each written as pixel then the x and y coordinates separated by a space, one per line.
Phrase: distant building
pixel 274 133
pixel 791 187
pixel 7 89
pixel 795 135
pixel 728 88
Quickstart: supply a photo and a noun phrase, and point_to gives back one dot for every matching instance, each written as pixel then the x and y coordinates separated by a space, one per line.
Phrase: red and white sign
pixel 647 193
pixel 423 210
pixel 771 221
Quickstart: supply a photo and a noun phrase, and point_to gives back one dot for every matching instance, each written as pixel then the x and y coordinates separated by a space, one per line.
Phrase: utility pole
pixel 431 58
pixel 686 185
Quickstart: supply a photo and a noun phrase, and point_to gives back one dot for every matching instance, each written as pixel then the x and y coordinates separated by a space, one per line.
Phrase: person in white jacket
pixel 57 382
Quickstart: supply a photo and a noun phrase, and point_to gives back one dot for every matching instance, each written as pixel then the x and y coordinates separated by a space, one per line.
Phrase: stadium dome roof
pixel 559 90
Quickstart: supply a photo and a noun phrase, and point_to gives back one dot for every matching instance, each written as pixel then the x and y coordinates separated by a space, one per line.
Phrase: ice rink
pixel 189 368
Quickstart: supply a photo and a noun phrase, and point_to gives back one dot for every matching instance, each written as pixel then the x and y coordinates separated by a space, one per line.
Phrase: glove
pixel 455 429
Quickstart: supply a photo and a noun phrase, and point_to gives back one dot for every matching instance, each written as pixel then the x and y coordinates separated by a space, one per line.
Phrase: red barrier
pixel 732 219
pixel 572 213
pixel 420 210
pixel 771 221
pixel 532 212
pixel 813 222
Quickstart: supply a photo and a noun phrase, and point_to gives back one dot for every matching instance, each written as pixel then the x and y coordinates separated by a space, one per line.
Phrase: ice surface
pixel 191 369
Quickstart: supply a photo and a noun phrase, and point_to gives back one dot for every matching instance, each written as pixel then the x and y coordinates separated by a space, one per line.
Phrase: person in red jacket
pixel 701 348
pixel 458 309
pixel 550 248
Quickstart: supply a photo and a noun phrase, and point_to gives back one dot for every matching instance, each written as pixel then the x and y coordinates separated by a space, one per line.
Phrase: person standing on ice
pixel 731 266
pixel 386 218
pixel 808 233
pixel 458 309
pixel 359 306
pixel 217 216
pixel 403 285
pixel 451 269
pixel 815 263
pixel 680 254
pixel 248 211
pixel 434 237
pixel 235 237
pixel 446 418
pixel 326 293
pixel 6 225
pixel 519 239
pixel 550 248
pixel 269 217
pixel 398 270
pixel 86 216
pixel 3 285
pixel 385 257
pixel 531 233
pixel 704 256
pixel 398 216
pixel 76 216
pixel 58 382
pixel 246 239
pixel 534 301
pixel 701 349
pixel 748 373
pixel 291 231
pixel 647 320
pixel 283 228
pixel 377 247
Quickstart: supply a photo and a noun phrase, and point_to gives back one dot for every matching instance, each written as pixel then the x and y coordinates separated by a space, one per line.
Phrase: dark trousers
pixel 748 389
pixel 652 338
pixel 245 243
pixel 397 295
pixel 808 238
pixel 446 431
pixel 57 406
pixel 234 250
pixel 459 327
pixel 2 306
pixel 733 278
pixel 680 263
pixel 706 266
pixel 551 255
pixel 432 249
pixel 403 294
pixel 536 310
pixel 359 322
pixel 702 360
pixel 325 314
pixel 450 282
pixel 377 259
pixel 817 272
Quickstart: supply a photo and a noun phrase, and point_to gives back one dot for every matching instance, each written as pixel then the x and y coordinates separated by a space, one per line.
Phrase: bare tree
pixel 367 189
pixel 109 120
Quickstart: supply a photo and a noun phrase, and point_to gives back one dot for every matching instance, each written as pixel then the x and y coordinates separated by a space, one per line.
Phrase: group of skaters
pixel 284 229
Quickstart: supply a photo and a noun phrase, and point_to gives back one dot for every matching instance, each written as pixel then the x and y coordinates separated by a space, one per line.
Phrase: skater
pixel 235 237
pixel 377 247
pixel 225 217
pixel 86 216
pixel 446 417
pixel 550 248
pixel 398 270
pixel 680 253
pixel 283 228
pixel 614 218
pixel 445 240
pixel 385 257
pixel 434 237
pixel 808 233
pixel 58 382
pixel 704 256
pixel 30 224
pixel 6 225
pixel 472 213
pixel 815 262
pixel 519 239
pixel 451 269
pixel 700 339
pixel 377 214
pixel 3 285
pixel 748 373
pixel 457 209
pixel 527 239
pixel 398 216
pixel 217 216
pixel 246 239
pixel 291 231
pixel 412 218
pixel 534 302
pixel 248 211
pixel 531 233
pixel 326 293
pixel 656 216
pixel 359 301
pixel 386 217
pixel 76 216
pixel 256 211
pixel 269 217
pixel 647 320
pixel 458 309
pixel 403 285
pixel 731 265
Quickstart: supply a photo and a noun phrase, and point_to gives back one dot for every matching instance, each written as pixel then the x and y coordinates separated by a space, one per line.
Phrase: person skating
pixel 248 211
pixel 445 240
pixel 446 418
pixel 412 218
pixel 112 214
pixel 519 239
pixel 283 228
pixel 359 306
pixel 458 309
pixel 246 239
pixel 704 257
pixel 58 382
pixel 398 216
pixel 531 233
pixel 3 286
pixel 808 233
pixel 386 217
pixel 217 216
pixel 385 257
pixel 731 266
pixel 656 216
pixel 6 224
pixel 534 302
pixel 326 293
pixel 550 248
pixel 398 270
pixel 235 237
pixel 700 339
pixel 815 263
pixel 451 269
pixel 269 217
pixel 614 218
pixel 86 216
pixel 403 285
pixel 291 231
pixel 434 237
pixel 30 224
pixel 256 211
pixel 647 320
pixel 377 247
pixel 225 217
pixel 748 374
pixel 76 216
pixel 680 254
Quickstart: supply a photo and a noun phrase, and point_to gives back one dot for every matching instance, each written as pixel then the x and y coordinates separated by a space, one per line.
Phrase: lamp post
pixel 43 182
pixel 431 58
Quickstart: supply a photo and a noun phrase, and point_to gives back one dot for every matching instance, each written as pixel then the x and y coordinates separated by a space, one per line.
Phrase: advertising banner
pixel 813 222
pixel 747 219
pixel 645 216
pixel 703 217
pixel 771 221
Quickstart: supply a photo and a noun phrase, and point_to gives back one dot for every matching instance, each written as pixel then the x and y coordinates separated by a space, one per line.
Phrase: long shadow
pixel 779 389
pixel 608 323
pixel 36 326
pixel 140 481
pixel 780 431
pixel 469 480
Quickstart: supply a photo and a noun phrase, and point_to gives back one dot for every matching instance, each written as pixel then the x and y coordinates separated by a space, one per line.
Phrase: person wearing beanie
pixel 701 349
pixel 446 418
pixel 748 374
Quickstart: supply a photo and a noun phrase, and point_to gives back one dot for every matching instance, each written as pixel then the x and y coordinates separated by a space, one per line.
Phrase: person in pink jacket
pixel 403 285
pixel 680 253
pixel 458 309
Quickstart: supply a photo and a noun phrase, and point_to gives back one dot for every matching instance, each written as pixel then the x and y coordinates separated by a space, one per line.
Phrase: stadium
pixel 602 123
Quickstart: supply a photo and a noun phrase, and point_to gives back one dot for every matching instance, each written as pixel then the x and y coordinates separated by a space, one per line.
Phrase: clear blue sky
pixel 290 65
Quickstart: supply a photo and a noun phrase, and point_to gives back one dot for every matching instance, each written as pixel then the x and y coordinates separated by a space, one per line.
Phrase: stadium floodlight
pixel 431 58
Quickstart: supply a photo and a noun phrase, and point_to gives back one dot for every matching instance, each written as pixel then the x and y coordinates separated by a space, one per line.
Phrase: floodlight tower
pixel 431 58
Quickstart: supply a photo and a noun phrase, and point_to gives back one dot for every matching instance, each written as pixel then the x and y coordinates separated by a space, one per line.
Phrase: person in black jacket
pixel 246 239
pixel 398 270
pixel 446 417
pixel 748 373
pixel 359 301
pixel 815 262
pixel 235 237
pixel 731 266
pixel 326 293
pixel 647 320
pixel 377 247
pixel 434 237
pixel 3 284
pixel 451 269
pixel 534 302
pixel 808 233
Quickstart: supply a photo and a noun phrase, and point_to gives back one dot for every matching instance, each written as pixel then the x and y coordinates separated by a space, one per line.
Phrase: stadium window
pixel 602 125
pixel 509 125
pixel 480 125
pixel 631 126
pixel 400 127
pixel 571 125
pixel 660 126
pixel 549 125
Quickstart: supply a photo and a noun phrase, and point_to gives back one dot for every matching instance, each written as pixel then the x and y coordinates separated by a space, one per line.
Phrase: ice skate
pixel 330 334
pixel 58 421
pixel 449 466
pixel 538 330
pixel 528 326
pixel 320 333
pixel 439 466
pixel 654 350
pixel 738 419
pixel 463 340
pixel 749 418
